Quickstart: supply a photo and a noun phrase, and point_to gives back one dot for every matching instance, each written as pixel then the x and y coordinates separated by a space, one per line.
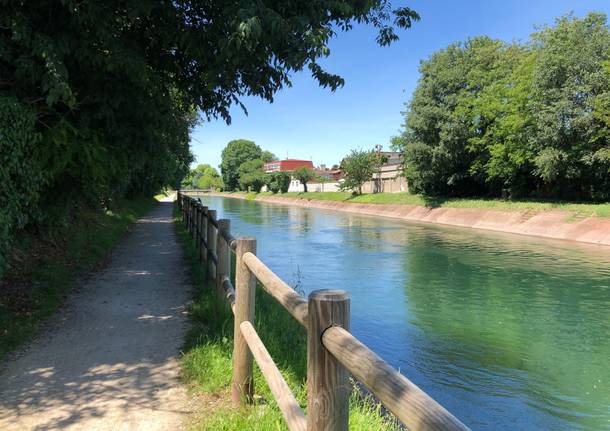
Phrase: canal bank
pixel 508 331
pixel 555 224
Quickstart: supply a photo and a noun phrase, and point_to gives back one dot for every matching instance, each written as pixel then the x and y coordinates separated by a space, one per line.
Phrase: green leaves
pixel 492 118
pixel 233 156
pixel 359 168
pixel 112 88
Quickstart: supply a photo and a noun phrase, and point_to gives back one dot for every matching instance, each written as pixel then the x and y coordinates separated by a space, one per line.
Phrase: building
pixel 392 157
pixel 288 165
pixel 330 174
pixel 388 178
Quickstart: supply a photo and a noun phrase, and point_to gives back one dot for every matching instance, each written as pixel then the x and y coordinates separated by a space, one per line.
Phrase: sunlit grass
pixel 207 363
pixel 584 209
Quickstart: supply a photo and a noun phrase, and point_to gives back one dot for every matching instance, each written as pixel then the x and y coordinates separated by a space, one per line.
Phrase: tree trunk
pixel 304 187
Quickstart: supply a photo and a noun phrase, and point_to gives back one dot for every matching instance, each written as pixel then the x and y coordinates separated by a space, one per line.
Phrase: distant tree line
pixel 490 118
pixel 243 162
pixel 97 98
pixel 203 177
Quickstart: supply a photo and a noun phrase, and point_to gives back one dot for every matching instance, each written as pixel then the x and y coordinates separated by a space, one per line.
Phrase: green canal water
pixel 507 332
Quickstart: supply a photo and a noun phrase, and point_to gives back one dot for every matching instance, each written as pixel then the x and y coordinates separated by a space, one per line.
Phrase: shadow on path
pixel 109 359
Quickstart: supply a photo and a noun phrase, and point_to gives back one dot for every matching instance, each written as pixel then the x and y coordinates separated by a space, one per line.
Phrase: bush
pixel 21 174
pixel 278 181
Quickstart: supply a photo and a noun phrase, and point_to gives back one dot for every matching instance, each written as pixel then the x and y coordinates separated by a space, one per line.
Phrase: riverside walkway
pixel 109 359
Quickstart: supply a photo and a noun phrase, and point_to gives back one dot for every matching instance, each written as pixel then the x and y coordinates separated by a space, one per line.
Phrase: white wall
pixel 296 186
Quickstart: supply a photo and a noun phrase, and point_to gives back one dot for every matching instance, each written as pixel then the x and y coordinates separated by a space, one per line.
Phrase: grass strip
pixel 207 363
pixel 579 209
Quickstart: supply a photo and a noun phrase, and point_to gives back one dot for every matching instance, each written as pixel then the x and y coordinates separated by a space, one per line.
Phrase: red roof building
pixel 287 165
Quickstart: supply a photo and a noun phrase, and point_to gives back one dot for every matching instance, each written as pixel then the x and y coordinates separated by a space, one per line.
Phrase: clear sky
pixel 309 122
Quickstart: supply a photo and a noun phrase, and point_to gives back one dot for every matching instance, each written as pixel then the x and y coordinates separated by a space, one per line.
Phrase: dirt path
pixel 109 358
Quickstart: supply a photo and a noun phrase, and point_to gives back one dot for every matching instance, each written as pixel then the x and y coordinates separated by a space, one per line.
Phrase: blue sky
pixel 309 122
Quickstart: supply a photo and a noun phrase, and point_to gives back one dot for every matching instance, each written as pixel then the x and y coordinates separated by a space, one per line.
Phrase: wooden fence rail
pixel 332 351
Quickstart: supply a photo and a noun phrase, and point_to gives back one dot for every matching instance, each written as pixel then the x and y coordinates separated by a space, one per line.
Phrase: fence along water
pixel 332 351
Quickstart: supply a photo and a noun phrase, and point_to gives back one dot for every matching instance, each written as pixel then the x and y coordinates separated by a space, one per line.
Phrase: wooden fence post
pixel 204 235
pixel 191 207
pixel 186 213
pixel 223 252
pixel 200 217
pixel 211 240
pixel 194 219
pixel 198 214
pixel 327 380
pixel 242 389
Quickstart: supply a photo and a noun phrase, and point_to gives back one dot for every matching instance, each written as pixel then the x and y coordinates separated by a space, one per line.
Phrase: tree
pixel 505 119
pixel 304 175
pixel 268 156
pixel 233 156
pixel 321 179
pixel 569 82
pixel 278 181
pixel 203 177
pixel 251 175
pixel 117 86
pixel 358 168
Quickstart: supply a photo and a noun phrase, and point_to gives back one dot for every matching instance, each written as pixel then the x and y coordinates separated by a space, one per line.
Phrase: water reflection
pixel 508 332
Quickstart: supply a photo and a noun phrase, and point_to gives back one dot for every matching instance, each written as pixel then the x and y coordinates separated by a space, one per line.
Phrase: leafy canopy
pixel 109 90
pixel 506 119
pixel 278 181
pixel 251 175
pixel 233 156
pixel 203 177
pixel 304 175
pixel 358 168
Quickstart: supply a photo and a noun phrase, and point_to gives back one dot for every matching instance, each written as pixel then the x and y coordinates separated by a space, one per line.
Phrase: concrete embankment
pixel 555 224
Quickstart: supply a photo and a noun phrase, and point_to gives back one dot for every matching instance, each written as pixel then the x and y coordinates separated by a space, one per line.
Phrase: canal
pixel 506 332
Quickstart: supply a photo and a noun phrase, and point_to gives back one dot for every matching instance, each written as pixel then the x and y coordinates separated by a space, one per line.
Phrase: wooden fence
pixel 332 351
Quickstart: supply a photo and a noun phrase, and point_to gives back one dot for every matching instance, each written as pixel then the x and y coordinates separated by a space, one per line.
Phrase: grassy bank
pixel 207 364
pixel 44 267
pixel 582 209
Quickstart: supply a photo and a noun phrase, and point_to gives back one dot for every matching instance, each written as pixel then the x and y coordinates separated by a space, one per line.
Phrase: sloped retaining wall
pixel 548 223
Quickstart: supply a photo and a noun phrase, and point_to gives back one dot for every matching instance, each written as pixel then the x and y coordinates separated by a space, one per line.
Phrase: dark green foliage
pixel 109 90
pixel 358 168
pixel 268 156
pixel 497 119
pixel 304 175
pixel 21 175
pixel 251 176
pixel 203 177
pixel 278 181
pixel 234 154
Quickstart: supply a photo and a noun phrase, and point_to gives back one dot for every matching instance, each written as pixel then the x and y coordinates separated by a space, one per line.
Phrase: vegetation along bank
pixel 588 223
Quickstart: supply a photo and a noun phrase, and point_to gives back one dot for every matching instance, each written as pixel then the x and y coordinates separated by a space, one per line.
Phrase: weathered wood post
pixel 211 243
pixel 327 380
pixel 194 219
pixel 200 217
pixel 186 213
pixel 242 389
pixel 197 226
pixel 191 215
pixel 204 235
pixel 223 252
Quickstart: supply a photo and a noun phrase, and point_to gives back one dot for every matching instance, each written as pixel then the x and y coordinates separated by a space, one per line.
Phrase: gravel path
pixel 108 360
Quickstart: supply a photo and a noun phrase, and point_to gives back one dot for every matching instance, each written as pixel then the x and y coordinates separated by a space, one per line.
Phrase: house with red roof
pixel 288 165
